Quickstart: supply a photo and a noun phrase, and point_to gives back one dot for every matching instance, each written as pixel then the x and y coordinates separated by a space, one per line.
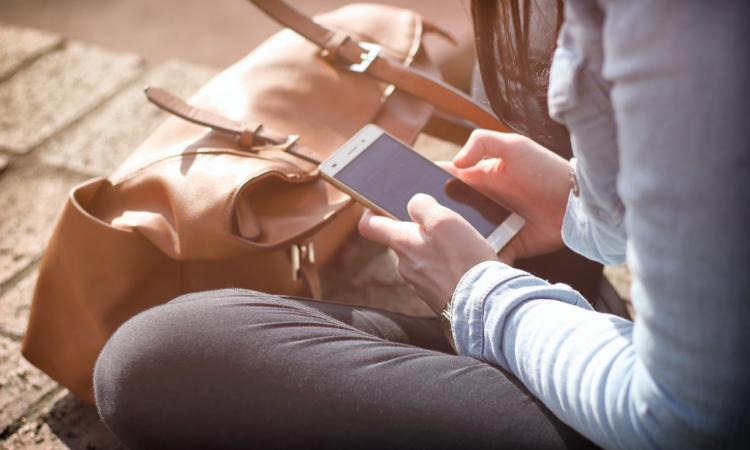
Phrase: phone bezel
pixel 361 141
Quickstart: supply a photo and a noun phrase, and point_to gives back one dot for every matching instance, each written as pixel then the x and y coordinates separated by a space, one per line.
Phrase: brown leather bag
pixel 218 200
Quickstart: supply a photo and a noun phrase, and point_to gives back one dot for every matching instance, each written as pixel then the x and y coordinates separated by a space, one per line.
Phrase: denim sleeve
pixel 577 361
pixel 678 376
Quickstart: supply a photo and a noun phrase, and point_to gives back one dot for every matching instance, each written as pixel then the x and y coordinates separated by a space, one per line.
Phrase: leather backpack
pixel 226 192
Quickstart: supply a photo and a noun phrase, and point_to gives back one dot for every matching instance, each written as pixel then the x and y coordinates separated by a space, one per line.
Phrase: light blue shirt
pixel 655 96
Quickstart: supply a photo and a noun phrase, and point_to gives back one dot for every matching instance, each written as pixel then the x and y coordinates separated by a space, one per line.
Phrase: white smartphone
pixel 383 173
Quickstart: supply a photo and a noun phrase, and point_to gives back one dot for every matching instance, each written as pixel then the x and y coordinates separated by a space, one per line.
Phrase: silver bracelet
pixel 573 179
pixel 446 317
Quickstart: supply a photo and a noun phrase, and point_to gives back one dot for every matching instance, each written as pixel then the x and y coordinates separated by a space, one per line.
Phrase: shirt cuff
pixel 575 225
pixel 590 237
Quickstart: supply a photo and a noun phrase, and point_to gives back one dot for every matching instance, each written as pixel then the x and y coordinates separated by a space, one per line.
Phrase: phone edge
pixel 356 195
pixel 500 237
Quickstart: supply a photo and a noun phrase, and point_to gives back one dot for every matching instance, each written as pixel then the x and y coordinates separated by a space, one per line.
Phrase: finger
pixel 484 144
pixel 385 231
pixel 483 166
pixel 473 175
pixel 486 176
pixel 448 167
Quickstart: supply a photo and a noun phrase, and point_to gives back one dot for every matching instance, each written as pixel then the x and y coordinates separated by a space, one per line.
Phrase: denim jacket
pixel 655 96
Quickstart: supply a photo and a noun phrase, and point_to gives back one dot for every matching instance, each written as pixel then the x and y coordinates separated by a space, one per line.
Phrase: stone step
pixel 21 384
pixel 31 196
pixel 64 422
pixel 15 303
pixel 58 88
pixel 20 46
pixel 99 142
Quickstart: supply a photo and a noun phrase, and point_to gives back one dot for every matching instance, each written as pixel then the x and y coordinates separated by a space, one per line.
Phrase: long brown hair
pixel 515 40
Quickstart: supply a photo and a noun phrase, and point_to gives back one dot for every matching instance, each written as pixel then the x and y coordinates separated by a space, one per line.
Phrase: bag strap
pixel 365 57
pixel 245 132
pixel 250 136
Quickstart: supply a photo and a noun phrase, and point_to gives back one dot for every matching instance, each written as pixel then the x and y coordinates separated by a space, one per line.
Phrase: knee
pixel 145 343
pixel 145 358
pixel 168 363
pixel 124 366
pixel 149 355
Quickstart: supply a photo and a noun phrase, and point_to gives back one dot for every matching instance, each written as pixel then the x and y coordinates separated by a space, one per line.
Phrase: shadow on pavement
pixel 78 426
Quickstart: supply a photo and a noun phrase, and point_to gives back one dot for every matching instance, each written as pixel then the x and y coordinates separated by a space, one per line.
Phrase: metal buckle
pixel 300 253
pixel 371 52
pixel 295 262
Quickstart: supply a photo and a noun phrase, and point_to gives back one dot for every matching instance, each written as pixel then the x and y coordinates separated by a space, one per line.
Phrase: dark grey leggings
pixel 242 369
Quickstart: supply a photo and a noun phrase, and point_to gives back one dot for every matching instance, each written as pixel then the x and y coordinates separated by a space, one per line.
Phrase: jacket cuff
pixel 468 304
pixel 485 300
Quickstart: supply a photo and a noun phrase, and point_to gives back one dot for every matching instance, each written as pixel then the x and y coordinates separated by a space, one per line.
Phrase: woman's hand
pixel 434 251
pixel 524 176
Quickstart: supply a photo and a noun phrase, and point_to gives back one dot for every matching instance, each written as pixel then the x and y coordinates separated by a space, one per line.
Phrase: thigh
pixel 238 369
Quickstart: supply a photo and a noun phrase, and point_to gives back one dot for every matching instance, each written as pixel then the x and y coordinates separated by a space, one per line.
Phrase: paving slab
pixel 57 89
pixel 31 196
pixel 21 384
pixel 19 46
pixel 99 142
pixel 65 423
pixel 14 307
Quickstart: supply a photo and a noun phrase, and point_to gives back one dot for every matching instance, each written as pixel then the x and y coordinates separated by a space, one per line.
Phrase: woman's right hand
pixel 524 176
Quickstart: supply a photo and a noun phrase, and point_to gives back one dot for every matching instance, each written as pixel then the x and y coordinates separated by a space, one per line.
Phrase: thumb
pixel 484 144
pixel 427 212
pixel 384 230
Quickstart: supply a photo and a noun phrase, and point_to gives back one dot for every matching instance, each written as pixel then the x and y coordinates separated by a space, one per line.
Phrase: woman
pixel 654 97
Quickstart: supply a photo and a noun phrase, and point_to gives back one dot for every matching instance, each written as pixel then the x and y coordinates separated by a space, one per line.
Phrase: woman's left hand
pixel 434 251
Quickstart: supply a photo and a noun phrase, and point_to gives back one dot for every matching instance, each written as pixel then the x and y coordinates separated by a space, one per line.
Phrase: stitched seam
pixel 453 301
pixel 599 92
pixel 411 52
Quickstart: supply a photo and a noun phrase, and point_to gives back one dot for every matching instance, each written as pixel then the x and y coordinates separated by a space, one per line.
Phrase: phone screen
pixel 388 173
